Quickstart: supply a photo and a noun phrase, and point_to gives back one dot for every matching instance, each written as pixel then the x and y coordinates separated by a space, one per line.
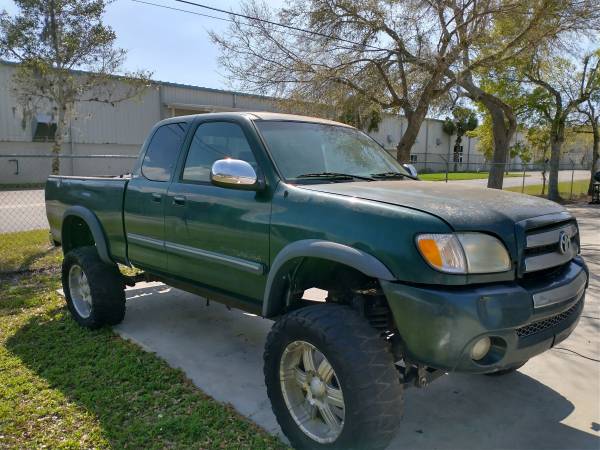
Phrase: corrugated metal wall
pixel 10 117
pixel 127 122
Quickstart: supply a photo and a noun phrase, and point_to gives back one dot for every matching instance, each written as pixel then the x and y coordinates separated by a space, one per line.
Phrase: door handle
pixel 179 200
pixel 156 197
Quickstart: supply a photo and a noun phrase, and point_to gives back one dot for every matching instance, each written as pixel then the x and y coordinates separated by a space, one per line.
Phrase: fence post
pixel 523 183
pixel 447 161
pixel 572 176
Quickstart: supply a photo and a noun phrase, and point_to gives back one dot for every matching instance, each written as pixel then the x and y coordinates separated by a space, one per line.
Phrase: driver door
pixel 217 236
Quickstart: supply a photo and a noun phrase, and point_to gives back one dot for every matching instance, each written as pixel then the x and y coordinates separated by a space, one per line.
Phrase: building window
pixel 413 159
pixel 44 128
pixel 458 156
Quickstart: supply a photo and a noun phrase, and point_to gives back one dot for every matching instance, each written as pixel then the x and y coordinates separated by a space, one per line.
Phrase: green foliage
pixel 485 136
pixel 449 127
pixel 522 151
pixel 463 120
pixel 538 139
pixel 359 112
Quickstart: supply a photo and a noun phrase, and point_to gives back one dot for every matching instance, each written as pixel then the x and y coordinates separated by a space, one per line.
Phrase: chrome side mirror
pixel 235 174
pixel 410 169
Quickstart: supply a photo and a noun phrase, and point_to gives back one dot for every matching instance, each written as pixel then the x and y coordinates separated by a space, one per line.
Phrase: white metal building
pixel 102 129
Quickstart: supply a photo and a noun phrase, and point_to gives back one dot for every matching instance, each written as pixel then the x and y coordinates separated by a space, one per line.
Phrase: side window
pixel 213 141
pixel 163 149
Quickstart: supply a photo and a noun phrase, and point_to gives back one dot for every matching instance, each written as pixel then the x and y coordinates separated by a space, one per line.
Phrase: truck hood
pixel 462 207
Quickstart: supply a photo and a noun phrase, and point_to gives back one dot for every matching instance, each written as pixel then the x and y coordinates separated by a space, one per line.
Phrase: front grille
pixel 543 250
pixel 541 325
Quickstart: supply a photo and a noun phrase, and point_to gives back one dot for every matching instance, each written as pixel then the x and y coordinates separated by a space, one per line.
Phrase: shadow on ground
pixel 473 412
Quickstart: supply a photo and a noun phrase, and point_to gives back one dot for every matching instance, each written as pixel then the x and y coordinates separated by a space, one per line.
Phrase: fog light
pixel 481 348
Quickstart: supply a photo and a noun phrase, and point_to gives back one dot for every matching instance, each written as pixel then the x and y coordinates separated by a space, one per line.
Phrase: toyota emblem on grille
pixel 564 242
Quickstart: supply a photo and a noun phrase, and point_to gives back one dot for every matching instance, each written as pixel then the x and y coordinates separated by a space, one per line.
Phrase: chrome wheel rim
pixel 79 289
pixel 312 392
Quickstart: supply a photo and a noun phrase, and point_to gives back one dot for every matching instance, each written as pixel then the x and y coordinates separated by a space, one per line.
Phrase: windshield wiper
pixel 390 175
pixel 334 175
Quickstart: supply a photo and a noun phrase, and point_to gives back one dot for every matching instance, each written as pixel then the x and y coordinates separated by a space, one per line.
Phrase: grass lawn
pixel 62 386
pixel 462 176
pixel 27 250
pixel 580 188
pixel 21 186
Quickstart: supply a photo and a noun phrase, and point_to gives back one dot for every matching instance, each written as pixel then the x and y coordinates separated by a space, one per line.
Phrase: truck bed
pixel 102 195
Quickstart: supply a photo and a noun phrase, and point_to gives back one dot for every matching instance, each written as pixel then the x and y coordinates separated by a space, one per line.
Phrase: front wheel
pixel 331 380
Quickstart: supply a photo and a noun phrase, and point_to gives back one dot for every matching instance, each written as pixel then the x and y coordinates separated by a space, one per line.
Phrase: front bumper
pixel 440 325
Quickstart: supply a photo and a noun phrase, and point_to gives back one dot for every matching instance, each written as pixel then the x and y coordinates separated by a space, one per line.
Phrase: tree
pixel 401 55
pixel 590 111
pixel 538 139
pixel 514 28
pixel 463 120
pixel 560 87
pixel 51 39
pixel 350 46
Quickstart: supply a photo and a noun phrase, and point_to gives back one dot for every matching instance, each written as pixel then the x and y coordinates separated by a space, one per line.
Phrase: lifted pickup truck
pixel 253 209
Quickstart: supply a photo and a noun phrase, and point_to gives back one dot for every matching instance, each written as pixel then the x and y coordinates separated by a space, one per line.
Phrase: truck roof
pixel 257 115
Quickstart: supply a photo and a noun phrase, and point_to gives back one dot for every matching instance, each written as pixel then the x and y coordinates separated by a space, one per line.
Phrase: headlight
pixel 464 252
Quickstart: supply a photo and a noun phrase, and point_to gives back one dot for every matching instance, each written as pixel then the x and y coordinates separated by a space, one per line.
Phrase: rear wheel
pixel 332 380
pixel 94 290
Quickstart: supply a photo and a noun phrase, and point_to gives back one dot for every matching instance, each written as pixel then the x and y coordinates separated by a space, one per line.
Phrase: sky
pixel 173 45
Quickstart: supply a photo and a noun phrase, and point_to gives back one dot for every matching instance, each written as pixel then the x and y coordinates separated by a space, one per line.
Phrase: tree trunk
pixel 556 146
pixel 595 154
pixel 56 148
pixel 414 122
pixel 456 150
pixel 544 180
pixel 58 139
pixel 503 131
pixel 504 126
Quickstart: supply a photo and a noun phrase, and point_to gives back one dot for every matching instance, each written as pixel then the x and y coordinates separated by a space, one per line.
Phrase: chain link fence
pixel 22 180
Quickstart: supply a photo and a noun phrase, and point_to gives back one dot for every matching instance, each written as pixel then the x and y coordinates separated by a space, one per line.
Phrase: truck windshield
pixel 315 151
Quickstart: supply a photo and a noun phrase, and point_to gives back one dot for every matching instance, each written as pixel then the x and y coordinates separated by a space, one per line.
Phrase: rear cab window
pixel 162 152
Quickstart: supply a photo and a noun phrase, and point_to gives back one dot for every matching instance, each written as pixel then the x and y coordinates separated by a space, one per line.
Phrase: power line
pixel 257 19
pixel 224 19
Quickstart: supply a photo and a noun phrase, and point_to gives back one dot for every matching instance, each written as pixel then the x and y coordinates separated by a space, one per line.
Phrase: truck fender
pixel 95 227
pixel 314 248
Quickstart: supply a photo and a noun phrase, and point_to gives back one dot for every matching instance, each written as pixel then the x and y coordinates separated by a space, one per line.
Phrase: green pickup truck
pixel 255 209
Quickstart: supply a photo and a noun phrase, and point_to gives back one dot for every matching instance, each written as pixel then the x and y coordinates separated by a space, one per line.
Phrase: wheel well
pixel 336 278
pixel 341 284
pixel 76 233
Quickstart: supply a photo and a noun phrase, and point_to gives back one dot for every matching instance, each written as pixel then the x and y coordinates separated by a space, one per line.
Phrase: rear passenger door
pixel 146 194
pixel 217 236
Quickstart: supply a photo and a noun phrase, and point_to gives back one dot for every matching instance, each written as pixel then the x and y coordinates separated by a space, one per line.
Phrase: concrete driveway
pixel 553 402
